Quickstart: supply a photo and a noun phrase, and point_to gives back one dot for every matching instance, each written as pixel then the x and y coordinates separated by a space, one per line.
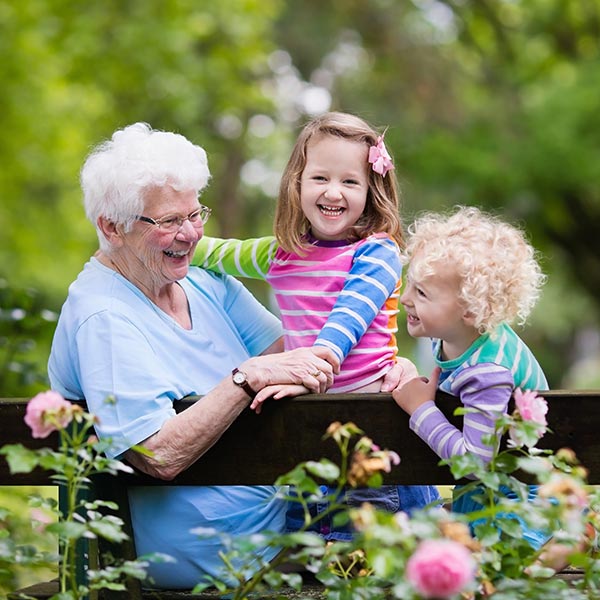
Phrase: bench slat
pixel 256 449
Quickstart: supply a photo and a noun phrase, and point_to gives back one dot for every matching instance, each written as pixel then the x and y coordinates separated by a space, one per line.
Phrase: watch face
pixel 239 377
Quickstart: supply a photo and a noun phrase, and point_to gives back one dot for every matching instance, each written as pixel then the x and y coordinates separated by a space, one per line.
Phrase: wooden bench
pixel 256 449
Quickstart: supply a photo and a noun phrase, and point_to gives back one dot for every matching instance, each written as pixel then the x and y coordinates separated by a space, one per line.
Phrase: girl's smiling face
pixel 334 186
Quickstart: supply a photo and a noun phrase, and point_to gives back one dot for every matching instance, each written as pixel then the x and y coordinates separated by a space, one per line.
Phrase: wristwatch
pixel 239 378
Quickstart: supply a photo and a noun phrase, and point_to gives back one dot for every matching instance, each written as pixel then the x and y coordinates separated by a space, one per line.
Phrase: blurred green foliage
pixel 487 102
pixel 26 328
pixel 27 552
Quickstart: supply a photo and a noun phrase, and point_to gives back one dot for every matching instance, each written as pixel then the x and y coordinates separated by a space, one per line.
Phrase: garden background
pixel 494 103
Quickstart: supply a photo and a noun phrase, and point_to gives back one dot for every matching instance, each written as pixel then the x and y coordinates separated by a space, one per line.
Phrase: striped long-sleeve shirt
pixel 340 295
pixel 484 378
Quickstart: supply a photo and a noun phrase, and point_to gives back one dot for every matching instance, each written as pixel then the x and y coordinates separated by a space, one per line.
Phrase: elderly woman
pixel 143 328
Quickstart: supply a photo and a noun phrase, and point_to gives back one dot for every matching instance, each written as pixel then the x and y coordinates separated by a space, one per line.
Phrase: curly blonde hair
pixel 498 268
pixel 381 214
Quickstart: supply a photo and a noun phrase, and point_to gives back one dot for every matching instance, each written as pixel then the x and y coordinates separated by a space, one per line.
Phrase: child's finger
pixel 434 378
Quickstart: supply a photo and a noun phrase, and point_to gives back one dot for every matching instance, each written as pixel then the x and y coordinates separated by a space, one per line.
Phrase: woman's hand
pixel 312 368
pixel 417 391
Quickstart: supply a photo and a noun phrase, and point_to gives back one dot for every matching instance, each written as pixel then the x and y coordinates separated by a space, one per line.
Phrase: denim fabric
pixel 390 498
pixel 465 504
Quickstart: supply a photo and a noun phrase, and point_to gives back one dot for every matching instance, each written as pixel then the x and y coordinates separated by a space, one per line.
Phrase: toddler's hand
pixel 276 392
pixel 402 372
pixel 417 391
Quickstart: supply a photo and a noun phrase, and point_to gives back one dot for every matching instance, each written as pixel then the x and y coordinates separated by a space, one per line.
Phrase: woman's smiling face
pixel 158 257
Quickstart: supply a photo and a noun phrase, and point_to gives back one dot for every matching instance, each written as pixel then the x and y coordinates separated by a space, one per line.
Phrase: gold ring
pixel 316 373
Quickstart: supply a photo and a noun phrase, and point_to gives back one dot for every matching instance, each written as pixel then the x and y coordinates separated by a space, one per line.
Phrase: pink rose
pixel 47 412
pixel 440 568
pixel 531 407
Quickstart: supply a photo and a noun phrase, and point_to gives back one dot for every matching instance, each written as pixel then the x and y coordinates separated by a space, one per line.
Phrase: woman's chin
pixel 178 267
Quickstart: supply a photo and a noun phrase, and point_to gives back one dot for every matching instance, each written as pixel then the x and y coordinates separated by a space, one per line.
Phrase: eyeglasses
pixel 173 223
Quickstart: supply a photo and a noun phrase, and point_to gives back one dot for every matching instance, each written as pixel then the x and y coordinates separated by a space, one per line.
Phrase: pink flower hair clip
pixel 380 158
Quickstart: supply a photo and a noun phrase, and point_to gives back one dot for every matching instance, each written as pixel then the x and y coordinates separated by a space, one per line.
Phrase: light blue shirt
pixel 111 340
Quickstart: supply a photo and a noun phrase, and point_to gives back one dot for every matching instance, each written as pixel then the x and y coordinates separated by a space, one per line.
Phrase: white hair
pixel 116 174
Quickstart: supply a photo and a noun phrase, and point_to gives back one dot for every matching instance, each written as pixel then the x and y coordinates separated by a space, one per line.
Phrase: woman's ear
pixel 111 231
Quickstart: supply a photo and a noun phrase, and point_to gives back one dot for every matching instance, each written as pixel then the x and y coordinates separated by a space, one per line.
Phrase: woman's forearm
pixel 184 438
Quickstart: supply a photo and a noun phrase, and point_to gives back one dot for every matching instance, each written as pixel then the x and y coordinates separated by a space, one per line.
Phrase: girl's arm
pixel 486 387
pixel 240 258
pixel 374 277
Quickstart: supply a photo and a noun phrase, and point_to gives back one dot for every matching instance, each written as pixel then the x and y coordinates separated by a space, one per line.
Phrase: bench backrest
pixel 256 449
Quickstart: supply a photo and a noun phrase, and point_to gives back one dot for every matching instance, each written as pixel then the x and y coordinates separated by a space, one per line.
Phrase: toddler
pixel 470 275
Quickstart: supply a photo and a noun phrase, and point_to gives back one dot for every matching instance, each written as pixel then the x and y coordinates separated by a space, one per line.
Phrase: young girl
pixel 469 276
pixel 334 264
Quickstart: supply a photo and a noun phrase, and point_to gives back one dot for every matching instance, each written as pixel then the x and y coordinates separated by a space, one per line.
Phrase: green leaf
pixel 108 530
pixel 325 469
pixel 463 465
pixel 384 562
pixel 19 458
pixel 301 538
pixel 511 527
pixel 487 533
pixel 134 568
pixel 68 529
pixel 56 461
pixel 274 579
pixel 295 477
pixel 506 462
pixel 376 480
pixel 105 584
pixel 491 480
pixel 537 465
pixel 341 518
pixel 294 580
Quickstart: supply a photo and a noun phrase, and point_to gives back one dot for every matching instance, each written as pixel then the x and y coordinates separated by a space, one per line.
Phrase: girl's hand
pixel 401 373
pixel 277 392
pixel 417 391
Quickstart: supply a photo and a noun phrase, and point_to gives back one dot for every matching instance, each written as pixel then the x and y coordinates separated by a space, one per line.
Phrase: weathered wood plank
pixel 258 448
pixel 13 430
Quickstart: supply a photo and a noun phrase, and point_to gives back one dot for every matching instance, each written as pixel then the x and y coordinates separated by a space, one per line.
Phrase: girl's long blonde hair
pixel 382 209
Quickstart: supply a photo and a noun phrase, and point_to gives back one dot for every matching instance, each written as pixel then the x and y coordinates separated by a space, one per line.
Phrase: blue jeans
pixel 536 538
pixel 389 498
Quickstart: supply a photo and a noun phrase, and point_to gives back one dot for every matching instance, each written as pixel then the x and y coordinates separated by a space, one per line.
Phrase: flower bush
pixel 79 457
pixel 433 554
pixel 437 553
